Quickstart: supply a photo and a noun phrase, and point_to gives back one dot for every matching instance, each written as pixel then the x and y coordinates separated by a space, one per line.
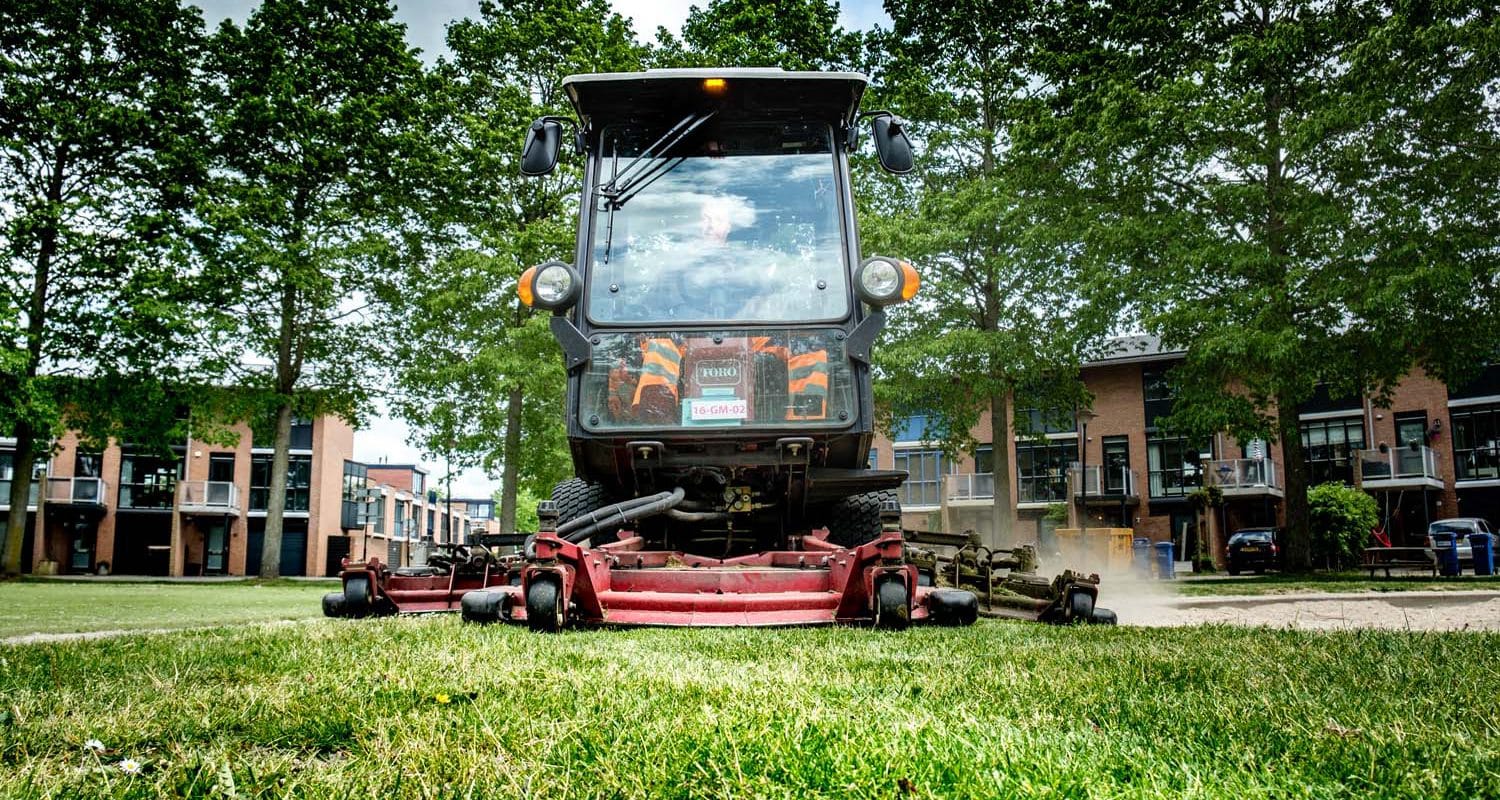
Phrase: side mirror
pixel 543 141
pixel 891 144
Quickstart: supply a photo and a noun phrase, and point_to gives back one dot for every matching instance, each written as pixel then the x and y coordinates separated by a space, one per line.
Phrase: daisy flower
pixel 130 766
pixel 94 745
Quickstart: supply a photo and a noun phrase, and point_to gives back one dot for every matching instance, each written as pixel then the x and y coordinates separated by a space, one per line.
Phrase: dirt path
pixel 1418 611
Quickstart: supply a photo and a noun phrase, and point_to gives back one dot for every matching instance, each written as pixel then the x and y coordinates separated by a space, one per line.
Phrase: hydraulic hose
pixel 605 514
pixel 697 516
pixel 621 513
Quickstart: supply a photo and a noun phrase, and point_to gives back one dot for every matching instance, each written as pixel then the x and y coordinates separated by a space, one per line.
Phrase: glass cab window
pixel 740 223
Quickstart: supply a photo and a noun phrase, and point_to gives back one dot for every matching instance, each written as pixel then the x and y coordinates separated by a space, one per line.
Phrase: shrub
pixel 1057 512
pixel 1340 518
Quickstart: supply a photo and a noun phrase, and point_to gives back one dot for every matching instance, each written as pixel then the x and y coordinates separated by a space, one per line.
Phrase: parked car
pixel 1460 527
pixel 1254 548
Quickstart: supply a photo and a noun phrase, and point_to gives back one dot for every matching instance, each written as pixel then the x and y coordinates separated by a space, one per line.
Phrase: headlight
pixel 553 286
pixel 881 281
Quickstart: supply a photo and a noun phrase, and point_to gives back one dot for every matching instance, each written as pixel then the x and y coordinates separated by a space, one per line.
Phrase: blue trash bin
pixel 1483 547
pixel 1166 567
pixel 1445 547
pixel 1140 551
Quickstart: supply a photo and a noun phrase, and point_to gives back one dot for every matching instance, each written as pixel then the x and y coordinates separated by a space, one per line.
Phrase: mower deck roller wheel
pixel 544 605
pixel 1080 607
pixel 892 605
pixel 855 520
pixel 358 597
pixel 576 497
pixel 953 607
pixel 482 606
pixel 1103 616
pixel 333 604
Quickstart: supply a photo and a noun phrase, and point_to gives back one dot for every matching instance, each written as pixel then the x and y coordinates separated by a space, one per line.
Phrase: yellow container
pixel 1095 550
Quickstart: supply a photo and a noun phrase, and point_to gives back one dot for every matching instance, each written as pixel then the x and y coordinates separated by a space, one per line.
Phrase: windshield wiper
pixel 629 182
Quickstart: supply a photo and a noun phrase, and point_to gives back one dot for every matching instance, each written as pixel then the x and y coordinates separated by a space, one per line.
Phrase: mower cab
pixel 716 322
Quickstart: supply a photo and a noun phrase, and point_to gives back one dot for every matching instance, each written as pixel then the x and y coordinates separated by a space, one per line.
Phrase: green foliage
pixel 1057 512
pixel 479 376
pixel 99 155
pixel 1294 192
pixel 318 158
pixel 1074 712
pixel 793 35
pixel 1341 518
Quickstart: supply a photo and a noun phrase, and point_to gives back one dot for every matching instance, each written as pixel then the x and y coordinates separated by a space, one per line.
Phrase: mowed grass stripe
pixel 350 709
pixel 57 606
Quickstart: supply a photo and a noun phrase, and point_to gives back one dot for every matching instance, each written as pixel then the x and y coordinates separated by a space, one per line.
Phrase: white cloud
pixel 384 440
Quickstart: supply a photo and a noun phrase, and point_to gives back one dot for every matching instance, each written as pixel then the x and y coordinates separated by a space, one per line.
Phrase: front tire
pixel 855 520
pixel 892 605
pixel 576 497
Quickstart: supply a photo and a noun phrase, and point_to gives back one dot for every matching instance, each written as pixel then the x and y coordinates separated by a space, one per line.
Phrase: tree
pixel 997 314
pixel 313 115
pixel 1341 520
pixel 1295 193
pixel 795 35
pixel 99 155
pixel 496 401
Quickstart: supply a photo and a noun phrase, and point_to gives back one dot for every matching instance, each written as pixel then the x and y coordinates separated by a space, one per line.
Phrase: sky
pixel 384 439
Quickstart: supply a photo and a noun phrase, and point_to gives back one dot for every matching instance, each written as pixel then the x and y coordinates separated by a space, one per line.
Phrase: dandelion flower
pixel 442 698
pixel 130 766
pixel 94 745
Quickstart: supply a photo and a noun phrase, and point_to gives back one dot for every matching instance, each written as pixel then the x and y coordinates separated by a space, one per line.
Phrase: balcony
pixel 1106 485
pixel 36 491
pixel 210 497
pixel 970 489
pixel 1410 467
pixel 1244 477
pixel 77 491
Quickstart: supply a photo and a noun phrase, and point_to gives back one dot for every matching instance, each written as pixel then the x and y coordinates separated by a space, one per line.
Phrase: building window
pixel 298 482
pixel 1039 422
pixel 1156 392
pixel 1476 451
pixel 1042 469
pixel 1328 448
pixel 418 483
pixel 148 481
pixel 874 459
pixel 1175 465
pixel 403 520
pixel 482 510
pixel 356 475
pixel 984 459
pixel 302 434
pixel 1116 465
pixel 432 523
pixel 379 510
pixel 924 476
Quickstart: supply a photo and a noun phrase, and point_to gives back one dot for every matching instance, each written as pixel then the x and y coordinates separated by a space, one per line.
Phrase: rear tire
pixel 544 606
pixel 576 497
pixel 855 520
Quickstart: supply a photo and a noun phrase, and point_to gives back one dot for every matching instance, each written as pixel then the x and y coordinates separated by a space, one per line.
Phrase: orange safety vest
pixel 661 365
pixel 806 378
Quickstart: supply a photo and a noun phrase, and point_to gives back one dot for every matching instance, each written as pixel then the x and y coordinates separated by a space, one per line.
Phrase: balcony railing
pixel 971 486
pixel 36 491
pixel 221 497
pixel 1243 475
pixel 1399 465
pixel 1104 481
pixel 77 491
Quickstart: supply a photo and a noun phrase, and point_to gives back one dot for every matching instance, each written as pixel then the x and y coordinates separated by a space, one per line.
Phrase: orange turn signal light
pixel 910 281
pixel 714 85
pixel 524 288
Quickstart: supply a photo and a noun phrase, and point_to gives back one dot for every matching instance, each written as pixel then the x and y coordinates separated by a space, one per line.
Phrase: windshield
pixel 1251 537
pixel 738 224
pixel 717 379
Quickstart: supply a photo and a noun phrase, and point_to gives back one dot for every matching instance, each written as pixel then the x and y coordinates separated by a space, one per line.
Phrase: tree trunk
pixel 1298 542
pixel 1004 507
pixel 20 491
pixel 270 551
pixel 510 472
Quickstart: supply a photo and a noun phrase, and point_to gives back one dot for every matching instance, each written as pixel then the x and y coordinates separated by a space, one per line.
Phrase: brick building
pixel 202 509
pixel 1432 454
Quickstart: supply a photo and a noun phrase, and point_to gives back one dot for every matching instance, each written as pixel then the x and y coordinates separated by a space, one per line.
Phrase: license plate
pixel 1249 549
pixel 718 409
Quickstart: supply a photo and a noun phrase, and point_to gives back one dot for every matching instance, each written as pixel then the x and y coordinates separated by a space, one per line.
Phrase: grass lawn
pixel 50 606
pixel 429 707
pixel 1335 582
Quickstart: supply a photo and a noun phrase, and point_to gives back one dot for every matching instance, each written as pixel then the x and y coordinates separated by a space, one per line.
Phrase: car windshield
pixel 1251 537
pixel 740 223
pixel 1451 527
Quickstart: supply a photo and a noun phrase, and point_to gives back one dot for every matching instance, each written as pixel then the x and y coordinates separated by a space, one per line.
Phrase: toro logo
pixel 718 373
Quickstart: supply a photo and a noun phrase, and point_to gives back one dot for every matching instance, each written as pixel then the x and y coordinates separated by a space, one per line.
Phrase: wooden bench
pixel 1387 557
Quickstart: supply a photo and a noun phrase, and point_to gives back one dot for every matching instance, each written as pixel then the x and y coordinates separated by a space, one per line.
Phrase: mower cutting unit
pixel 716 323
